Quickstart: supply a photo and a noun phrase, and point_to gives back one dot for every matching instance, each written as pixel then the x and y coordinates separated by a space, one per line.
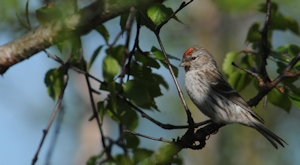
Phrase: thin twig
pixel 264 40
pixel 56 109
pixel 126 52
pixel 135 46
pixel 183 4
pixel 95 112
pixel 116 39
pixel 148 137
pixel 53 142
pixel 259 79
pixel 156 32
pixel 164 126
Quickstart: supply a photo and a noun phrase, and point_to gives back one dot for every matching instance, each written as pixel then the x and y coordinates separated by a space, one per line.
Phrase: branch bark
pixel 52 33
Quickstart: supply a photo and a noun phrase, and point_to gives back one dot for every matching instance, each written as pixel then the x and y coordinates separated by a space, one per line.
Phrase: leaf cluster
pixel 287 92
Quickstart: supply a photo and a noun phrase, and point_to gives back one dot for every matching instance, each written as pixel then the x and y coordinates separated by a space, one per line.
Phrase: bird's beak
pixel 183 64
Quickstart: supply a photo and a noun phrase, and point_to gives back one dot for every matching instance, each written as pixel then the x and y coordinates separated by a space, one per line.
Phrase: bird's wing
pixel 221 86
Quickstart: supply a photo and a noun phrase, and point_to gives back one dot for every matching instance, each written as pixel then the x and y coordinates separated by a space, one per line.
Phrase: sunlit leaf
pixel 227 66
pixel 116 52
pixel 111 68
pixel 158 13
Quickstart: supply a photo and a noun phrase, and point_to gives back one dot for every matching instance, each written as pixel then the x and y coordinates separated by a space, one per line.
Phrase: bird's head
pixel 196 58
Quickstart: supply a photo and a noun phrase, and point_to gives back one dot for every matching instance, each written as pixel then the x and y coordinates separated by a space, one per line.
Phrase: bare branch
pixel 148 137
pixel 264 40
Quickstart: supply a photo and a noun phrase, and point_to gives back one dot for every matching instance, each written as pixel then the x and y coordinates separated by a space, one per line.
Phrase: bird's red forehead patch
pixel 188 52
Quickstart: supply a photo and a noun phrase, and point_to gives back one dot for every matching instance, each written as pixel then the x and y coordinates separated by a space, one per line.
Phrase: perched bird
pixel 215 97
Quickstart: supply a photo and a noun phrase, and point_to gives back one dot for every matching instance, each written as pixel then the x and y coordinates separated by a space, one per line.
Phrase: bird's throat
pixel 187 68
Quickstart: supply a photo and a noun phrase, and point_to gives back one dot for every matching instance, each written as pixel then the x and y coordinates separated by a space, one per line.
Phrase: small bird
pixel 215 97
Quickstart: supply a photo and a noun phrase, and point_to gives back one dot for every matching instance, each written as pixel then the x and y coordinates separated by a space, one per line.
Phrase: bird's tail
pixel 273 139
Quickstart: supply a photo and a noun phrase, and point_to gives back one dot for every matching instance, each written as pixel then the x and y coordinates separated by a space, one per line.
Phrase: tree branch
pixel 264 41
pixel 52 33
pixel 56 109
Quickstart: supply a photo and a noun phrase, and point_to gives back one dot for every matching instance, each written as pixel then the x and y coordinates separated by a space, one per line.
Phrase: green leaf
pixel 146 60
pixel 279 99
pixel 174 68
pixel 160 80
pixel 132 141
pixel 113 114
pixel 92 160
pixel 293 50
pixel 141 72
pixel 286 53
pixel 227 63
pixel 239 80
pixel 137 93
pixel 101 109
pixel 153 88
pixel 122 159
pixel 116 52
pixel 123 21
pixel 254 33
pixel 140 154
pixel 48 14
pixel 158 13
pixel 94 56
pixel 101 29
pixel 281 53
pixel 77 59
pixel 54 81
pixel 130 119
pixel 292 25
pixel 159 54
pixel 126 115
pixel 295 99
pixel 281 67
pixel 145 73
pixel 278 22
pixel 110 68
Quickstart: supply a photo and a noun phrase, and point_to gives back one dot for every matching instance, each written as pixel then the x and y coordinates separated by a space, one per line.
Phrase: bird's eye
pixel 193 58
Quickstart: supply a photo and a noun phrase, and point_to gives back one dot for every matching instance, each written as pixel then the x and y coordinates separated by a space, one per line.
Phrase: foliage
pixel 285 94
